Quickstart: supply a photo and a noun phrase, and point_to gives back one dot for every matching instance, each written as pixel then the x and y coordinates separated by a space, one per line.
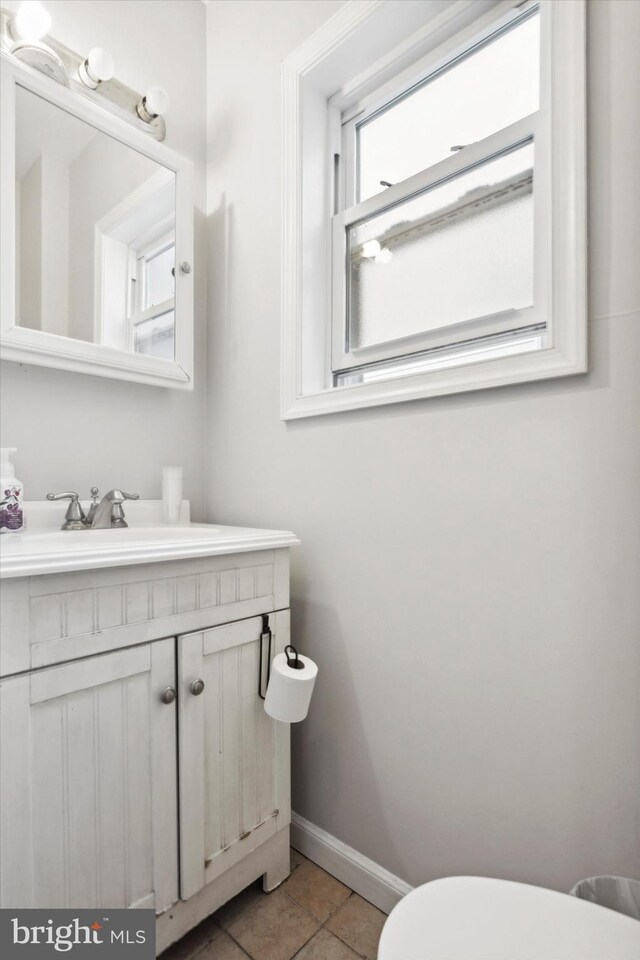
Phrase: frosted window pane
pixel 159 282
pixel 477 96
pixel 155 337
pixel 456 252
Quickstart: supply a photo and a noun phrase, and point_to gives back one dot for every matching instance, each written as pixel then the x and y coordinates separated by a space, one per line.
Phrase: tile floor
pixel 311 916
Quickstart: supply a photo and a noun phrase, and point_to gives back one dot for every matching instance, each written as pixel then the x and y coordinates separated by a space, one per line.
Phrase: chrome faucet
pixel 103 515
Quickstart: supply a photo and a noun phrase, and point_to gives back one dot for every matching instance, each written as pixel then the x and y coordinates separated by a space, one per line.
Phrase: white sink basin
pixel 39 551
pixel 110 539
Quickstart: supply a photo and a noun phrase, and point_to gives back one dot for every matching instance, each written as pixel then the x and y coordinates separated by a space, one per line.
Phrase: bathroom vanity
pixel 139 768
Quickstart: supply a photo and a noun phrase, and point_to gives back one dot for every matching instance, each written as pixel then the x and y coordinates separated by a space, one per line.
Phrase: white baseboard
pixel 367 878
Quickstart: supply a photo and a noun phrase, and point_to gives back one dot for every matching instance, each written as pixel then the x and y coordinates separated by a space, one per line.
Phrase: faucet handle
pixel 74 518
pixel 119 496
pixel 117 513
pixel 68 495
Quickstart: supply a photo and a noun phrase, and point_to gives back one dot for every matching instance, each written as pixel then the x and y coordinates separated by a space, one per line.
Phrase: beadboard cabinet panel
pixel 89 792
pixel 48 619
pixel 234 759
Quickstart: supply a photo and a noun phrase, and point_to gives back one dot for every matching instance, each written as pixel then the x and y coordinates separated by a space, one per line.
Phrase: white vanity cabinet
pixel 138 767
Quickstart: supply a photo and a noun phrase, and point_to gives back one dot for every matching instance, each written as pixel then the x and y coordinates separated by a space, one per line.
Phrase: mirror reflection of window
pixel 157 264
pixel 135 298
pixel 155 337
pixel 154 287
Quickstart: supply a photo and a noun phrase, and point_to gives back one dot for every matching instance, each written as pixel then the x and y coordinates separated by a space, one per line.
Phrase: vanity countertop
pixel 43 550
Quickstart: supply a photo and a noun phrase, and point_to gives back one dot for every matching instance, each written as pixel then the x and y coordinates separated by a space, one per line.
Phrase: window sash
pixel 347 120
pixel 344 358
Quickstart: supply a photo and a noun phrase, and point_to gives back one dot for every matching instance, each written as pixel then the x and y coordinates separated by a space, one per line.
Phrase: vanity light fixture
pixel 21 37
pixel 97 68
pixel 154 104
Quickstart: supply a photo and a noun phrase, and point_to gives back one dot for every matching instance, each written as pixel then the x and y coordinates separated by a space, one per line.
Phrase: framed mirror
pixel 96 239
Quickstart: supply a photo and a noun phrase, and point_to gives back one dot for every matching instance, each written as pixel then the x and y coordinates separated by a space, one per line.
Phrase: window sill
pixel 476 374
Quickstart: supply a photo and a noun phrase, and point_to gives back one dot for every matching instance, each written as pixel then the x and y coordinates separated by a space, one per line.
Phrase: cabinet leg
pixel 280 866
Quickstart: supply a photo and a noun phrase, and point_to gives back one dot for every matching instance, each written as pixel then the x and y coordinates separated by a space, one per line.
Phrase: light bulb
pixel 156 101
pixel 385 256
pixel 97 68
pixel 100 65
pixel 370 248
pixel 31 22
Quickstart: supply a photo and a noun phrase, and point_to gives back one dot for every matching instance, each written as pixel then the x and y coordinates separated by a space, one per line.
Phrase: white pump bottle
pixel 11 494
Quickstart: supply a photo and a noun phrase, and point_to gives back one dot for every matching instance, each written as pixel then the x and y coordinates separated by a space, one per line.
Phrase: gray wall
pixel 468 575
pixel 73 430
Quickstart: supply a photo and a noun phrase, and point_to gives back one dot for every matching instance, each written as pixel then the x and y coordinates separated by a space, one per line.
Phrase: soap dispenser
pixel 11 494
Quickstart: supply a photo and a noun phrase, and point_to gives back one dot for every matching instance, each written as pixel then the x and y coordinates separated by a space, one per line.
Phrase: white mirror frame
pixel 24 345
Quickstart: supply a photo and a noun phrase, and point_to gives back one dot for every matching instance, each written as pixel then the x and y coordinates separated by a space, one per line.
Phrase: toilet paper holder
pixel 265 634
pixel 293 661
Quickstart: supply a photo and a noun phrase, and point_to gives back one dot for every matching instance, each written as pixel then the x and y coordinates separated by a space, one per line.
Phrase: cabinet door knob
pixel 168 695
pixel 196 687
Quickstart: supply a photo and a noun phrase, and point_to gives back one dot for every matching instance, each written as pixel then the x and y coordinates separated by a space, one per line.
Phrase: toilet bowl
pixel 477 918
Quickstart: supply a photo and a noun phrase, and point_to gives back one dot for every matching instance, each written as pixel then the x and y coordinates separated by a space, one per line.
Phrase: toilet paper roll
pixel 289 691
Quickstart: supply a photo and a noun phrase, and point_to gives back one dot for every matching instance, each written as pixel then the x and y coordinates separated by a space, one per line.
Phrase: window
pixel 452 204
pixel 491 85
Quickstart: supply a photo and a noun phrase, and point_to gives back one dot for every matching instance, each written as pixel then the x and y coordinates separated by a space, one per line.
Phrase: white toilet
pixel 476 918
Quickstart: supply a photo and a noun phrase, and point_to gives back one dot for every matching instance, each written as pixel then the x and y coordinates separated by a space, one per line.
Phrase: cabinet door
pixel 89 805
pixel 233 758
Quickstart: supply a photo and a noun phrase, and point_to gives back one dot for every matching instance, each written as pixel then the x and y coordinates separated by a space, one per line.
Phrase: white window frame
pixel 398 45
